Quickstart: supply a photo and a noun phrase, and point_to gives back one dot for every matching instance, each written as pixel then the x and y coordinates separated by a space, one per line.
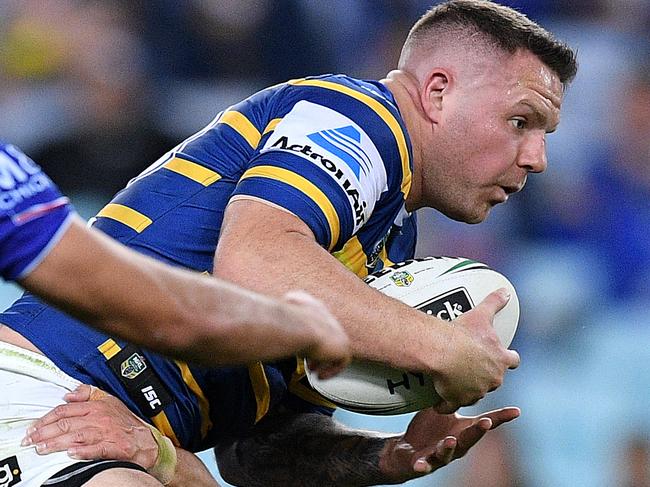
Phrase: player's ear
pixel 434 89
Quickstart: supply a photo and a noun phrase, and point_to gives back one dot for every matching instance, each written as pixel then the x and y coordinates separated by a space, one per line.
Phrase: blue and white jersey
pixel 333 151
pixel 33 214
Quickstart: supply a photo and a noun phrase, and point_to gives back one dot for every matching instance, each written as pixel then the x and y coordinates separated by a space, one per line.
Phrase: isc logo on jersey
pixel 20 178
pixel 339 147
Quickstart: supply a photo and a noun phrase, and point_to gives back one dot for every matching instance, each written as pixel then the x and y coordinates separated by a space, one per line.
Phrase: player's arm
pixel 314 450
pixel 178 312
pixel 191 472
pixel 96 425
pixel 466 360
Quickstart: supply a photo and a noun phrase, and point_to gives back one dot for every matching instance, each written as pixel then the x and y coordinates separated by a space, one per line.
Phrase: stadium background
pixel 96 90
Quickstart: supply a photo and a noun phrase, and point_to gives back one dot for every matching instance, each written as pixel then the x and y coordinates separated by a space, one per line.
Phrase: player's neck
pixel 405 90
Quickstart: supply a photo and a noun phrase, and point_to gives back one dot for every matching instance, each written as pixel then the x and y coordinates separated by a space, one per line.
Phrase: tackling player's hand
pixel 433 440
pixel 94 425
pixel 476 361
pixel 330 351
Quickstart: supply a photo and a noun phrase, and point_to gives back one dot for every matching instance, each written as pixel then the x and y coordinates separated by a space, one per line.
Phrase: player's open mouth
pixel 515 188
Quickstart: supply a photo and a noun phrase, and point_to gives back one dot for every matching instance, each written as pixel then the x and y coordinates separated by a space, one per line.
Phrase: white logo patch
pixel 340 147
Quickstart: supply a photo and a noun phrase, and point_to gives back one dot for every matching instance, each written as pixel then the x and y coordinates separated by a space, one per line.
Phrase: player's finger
pixel 495 301
pixel 59 416
pixel 316 366
pixel 78 437
pixel 445 449
pixel 83 393
pixel 446 407
pixel 426 461
pixel 50 431
pixel 503 415
pixel 61 411
pixel 97 452
pixel 513 359
pixel 435 457
pixel 469 436
pixel 327 370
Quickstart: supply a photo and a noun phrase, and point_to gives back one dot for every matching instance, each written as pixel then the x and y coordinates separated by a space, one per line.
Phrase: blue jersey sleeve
pixel 323 165
pixel 33 214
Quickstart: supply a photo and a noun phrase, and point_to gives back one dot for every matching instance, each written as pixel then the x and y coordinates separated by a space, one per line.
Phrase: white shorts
pixel 30 386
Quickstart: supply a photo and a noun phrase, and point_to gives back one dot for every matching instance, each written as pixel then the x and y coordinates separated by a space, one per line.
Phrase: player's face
pixel 491 134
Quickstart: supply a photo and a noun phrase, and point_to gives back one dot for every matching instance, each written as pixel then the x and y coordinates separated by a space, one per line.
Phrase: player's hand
pixel 330 351
pixel 476 361
pixel 433 440
pixel 94 425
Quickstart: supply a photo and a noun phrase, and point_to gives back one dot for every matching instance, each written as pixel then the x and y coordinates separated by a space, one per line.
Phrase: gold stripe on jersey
pixel 242 126
pixel 308 188
pixel 125 215
pixel 204 405
pixel 261 389
pixel 161 421
pixel 353 257
pixel 380 110
pixel 271 126
pixel 193 171
pixel 305 393
pixel 109 349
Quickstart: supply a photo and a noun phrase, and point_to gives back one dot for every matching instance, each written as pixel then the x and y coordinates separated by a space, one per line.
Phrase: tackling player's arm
pixel 96 425
pixel 191 472
pixel 466 360
pixel 178 312
pixel 314 450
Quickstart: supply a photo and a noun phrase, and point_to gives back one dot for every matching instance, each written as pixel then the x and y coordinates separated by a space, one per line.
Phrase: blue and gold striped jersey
pixel 33 214
pixel 333 151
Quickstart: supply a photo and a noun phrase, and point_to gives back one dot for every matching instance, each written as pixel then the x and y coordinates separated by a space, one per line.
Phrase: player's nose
pixel 532 152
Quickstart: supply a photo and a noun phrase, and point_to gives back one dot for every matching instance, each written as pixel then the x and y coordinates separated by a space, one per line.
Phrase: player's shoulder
pixel 346 89
pixel 346 115
pixel 342 103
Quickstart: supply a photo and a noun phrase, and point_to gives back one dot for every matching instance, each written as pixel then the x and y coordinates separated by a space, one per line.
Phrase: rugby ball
pixel 445 287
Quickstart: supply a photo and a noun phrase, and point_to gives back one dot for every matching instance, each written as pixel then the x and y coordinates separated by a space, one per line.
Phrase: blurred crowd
pixel 95 91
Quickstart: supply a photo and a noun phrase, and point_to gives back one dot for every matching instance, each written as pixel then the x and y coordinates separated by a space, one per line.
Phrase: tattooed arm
pixel 307 450
pixel 301 450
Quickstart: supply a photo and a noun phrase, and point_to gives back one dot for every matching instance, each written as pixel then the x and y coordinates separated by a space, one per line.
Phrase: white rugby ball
pixel 445 287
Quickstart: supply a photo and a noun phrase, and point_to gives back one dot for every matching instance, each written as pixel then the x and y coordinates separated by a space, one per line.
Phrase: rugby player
pixel 316 182
pixel 47 249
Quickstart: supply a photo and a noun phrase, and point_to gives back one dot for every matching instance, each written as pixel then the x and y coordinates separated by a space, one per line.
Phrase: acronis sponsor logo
pixel 343 142
pixel 358 205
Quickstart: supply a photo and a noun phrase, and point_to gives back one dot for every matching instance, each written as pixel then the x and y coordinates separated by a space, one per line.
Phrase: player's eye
pixel 518 122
